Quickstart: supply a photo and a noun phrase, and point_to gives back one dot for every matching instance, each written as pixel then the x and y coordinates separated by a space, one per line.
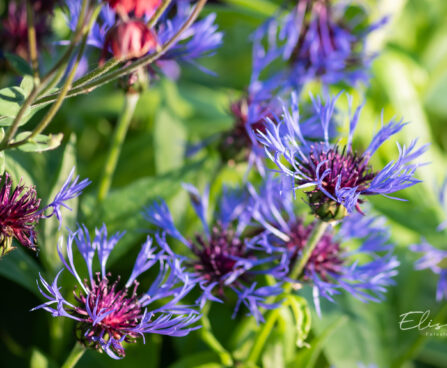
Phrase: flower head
pixel 20 210
pixel 109 313
pixel 338 177
pixel 14 28
pixel 19 215
pixel 318 40
pixel 332 267
pixel 226 256
pixel 435 260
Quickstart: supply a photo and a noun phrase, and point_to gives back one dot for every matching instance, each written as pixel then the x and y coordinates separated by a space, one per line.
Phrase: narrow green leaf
pixel 169 142
pixel 20 65
pixel 51 231
pixel 19 267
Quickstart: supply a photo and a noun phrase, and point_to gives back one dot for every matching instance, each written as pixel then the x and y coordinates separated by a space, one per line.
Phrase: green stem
pixel 75 354
pixel 64 90
pixel 317 232
pixel 32 43
pixel 272 315
pixel 12 130
pixel 161 9
pixel 211 340
pixel 117 143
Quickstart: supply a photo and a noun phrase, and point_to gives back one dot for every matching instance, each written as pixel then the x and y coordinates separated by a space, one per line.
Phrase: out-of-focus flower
pixel 129 40
pixel 20 210
pixel 109 314
pixel 331 266
pixel 14 28
pixel 139 7
pixel 318 40
pixel 339 176
pixel 435 260
pixel 225 257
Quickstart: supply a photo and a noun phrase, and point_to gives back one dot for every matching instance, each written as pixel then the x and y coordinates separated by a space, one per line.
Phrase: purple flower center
pixel 344 169
pixel 236 143
pixel 324 260
pixel 106 312
pixel 19 213
pixel 217 256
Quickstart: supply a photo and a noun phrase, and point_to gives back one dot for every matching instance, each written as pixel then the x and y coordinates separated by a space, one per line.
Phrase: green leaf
pixel 51 231
pixel 20 65
pixel 11 98
pixel 19 267
pixel 169 142
pixel 27 84
pixel 40 142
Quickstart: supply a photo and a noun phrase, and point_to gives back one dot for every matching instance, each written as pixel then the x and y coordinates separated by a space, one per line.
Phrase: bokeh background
pixel 408 79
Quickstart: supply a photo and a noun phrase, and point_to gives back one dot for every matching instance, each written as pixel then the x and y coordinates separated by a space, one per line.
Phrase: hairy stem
pixel 117 142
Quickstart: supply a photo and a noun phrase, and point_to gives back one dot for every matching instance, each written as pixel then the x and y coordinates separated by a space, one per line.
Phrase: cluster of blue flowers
pixel 250 244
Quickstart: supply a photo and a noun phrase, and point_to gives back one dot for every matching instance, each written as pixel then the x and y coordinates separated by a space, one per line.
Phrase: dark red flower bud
pixel 128 40
pixel 139 7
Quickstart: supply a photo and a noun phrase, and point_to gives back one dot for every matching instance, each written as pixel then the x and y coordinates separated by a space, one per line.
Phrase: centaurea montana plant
pixel 339 177
pixel 332 267
pixel 107 313
pixel 20 210
pixel 225 257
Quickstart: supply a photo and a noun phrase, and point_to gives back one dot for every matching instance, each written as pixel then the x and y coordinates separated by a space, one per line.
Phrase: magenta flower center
pixel 324 260
pixel 343 169
pixel 216 257
pixel 108 313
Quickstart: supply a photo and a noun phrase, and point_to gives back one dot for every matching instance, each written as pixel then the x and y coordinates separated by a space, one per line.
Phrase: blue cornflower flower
pixel 201 39
pixel 108 314
pixel 435 260
pixel 338 175
pixel 226 256
pixel 318 41
pixel 331 266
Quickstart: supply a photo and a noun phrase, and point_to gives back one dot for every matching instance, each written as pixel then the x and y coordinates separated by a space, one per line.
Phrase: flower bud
pixel 128 40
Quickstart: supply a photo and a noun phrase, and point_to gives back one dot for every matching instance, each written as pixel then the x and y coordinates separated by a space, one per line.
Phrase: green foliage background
pixel 408 79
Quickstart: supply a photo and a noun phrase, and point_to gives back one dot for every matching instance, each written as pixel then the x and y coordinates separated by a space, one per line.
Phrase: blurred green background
pixel 408 79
